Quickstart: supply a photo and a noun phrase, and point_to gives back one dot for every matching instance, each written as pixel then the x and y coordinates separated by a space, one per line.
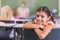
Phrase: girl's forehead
pixel 41 13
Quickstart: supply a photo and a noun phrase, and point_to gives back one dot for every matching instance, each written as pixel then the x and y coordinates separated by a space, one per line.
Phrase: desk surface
pixel 57 24
pixel 8 25
pixel 21 25
pixel 18 20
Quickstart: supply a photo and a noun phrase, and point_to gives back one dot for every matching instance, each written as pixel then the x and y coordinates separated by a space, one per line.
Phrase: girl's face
pixel 42 17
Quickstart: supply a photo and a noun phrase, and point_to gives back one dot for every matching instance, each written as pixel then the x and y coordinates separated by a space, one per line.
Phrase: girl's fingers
pixel 35 22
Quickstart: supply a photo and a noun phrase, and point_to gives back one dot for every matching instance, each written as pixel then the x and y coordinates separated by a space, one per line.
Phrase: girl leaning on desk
pixel 41 26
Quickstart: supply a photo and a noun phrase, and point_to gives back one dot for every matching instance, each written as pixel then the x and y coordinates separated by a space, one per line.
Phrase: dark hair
pixel 14 12
pixel 47 11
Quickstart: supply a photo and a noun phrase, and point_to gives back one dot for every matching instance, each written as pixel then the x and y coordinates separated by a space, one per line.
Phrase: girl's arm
pixel 29 25
pixel 45 32
pixel 33 24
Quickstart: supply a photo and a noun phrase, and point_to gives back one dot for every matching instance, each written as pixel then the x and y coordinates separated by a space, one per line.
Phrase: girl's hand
pixel 41 26
pixel 35 21
pixel 39 23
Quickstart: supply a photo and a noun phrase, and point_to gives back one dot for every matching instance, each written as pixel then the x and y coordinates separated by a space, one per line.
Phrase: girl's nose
pixel 40 18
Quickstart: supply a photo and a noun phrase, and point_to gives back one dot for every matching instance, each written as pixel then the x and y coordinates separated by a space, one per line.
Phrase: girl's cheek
pixel 44 20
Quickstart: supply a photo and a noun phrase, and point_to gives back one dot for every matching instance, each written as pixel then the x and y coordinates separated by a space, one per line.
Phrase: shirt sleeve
pixel 27 10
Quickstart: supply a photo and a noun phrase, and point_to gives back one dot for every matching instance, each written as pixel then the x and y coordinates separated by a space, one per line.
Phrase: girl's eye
pixel 37 15
pixel 42 16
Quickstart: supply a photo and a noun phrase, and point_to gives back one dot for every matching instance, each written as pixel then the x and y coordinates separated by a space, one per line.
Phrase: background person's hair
pixel 7 15
pixel 15 13
pixel 23 3
pixel 47 11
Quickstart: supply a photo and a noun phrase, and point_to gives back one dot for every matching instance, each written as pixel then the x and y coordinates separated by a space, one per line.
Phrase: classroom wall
pixel 59 7
pixel 32 4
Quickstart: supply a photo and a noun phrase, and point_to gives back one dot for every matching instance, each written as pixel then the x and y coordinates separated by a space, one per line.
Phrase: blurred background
pixel 53 5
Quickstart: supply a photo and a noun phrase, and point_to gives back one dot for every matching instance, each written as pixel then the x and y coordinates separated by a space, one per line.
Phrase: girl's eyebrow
pixel 37 15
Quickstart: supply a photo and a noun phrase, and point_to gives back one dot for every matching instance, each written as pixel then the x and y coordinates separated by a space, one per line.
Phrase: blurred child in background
pixel 6 13
pixel 23 11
